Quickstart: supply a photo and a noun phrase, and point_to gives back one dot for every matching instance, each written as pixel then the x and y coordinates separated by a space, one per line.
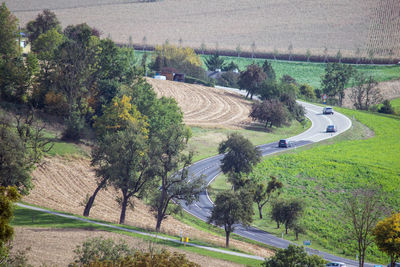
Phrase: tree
pixel 269 71
pixel 231 67
pixel 251 79
pixel 363 208
pixel 8 196
pixel 287 212
pixel 335 79
pixel 22 145
pixel 169 164
pixel 215 62
pixel 269 90
pixel 8 34
pixel 298 228
pixel 307 91
pixel 386 108
pixel 293 256
pixel 326 54
pixel 121 159
pixel 290 50
pixel 238 50
pixel 288 80
pixel 387 237
pixel 253 48
pixel 231 208
pixel 308 55
pixel 43 23
pixel 202 48
pixel 262 194
pixel 240 157
pixel 365 92
pixel 339 56
pixel 271 112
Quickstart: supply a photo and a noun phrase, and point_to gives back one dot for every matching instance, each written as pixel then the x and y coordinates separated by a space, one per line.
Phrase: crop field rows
pixel 384 32
pixel 226 24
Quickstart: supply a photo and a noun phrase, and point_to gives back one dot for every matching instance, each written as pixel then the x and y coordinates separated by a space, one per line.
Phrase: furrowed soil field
pixel 262 26
pixel 206 106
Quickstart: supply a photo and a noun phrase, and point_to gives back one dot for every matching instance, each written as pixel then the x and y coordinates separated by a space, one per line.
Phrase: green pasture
pixel 396 105
pixel 24 217
pixel 324 175
pixel 310 73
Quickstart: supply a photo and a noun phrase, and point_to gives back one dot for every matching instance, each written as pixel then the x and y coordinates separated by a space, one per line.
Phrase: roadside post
pixel 324 97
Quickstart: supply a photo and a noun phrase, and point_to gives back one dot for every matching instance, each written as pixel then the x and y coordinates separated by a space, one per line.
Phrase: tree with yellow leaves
pixel 387 237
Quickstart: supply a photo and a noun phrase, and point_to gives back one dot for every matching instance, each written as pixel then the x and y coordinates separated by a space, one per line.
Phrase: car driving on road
pixel 331 129
pixel 335 264
pixel 327 111
pixel 284 143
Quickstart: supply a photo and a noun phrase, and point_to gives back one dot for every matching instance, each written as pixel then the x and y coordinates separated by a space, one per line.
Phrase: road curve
pixel 210 169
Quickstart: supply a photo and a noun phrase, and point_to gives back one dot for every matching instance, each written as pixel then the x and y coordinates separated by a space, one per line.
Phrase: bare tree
pixel 339 56
pixel 275 53
pixel 365 92
pixel 326 54
pixel 308 55
pixel 238 50
pixel 290 50
pixel 253 49
pixel 180 42
pixel 144 42
pixel 363 209
pixel 202 47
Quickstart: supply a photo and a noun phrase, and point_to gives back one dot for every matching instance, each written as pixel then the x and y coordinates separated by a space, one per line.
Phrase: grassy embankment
pixel 396 105
pixel 324 175
pixel 36 219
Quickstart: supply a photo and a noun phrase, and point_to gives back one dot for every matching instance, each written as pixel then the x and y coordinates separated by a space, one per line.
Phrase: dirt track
pixel 206 106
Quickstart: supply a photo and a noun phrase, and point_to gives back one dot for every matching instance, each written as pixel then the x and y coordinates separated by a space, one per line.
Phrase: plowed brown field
pixel 62 184
pixel 206 106
pixel 273 24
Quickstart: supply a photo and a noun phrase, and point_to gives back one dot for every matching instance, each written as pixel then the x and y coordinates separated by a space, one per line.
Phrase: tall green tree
pixel 240 157
pixel 251 79
pixel 9 46
pixel 269 70
pixel 287 212
pixel 262 194
pixel 169 138
pixel 271 112
pixel 294 256
pixel 44 22
pixel 215 62
pixel 121 158
pixel 232 208
pixel 22 145
pixel 335 79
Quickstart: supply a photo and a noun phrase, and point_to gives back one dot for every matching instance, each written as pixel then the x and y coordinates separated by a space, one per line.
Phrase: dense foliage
pixel 294 256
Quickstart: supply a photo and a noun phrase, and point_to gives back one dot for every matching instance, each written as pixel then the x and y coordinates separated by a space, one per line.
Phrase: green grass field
pixel 396 105
pixel 24 217
pixel 304 72
pixel 324 175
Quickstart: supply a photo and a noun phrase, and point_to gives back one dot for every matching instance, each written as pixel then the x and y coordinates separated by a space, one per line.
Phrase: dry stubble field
pixel 273 24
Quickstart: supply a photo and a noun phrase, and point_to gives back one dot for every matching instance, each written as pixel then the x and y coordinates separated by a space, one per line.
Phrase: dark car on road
pixel 284 143
pixel 331 129
pixel 327 111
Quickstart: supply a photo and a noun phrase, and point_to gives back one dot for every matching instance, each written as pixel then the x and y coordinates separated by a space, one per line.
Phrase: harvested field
pixel 306 24
pixel 389 90
pixel 54 247
pixel 206 106
pixel 62 184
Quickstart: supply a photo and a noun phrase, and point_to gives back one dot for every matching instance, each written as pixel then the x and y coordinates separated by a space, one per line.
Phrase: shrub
pixel 386 108
pixel 55 103
pixel 100 249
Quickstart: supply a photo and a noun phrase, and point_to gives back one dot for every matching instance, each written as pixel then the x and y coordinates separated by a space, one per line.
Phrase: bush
pixel 55 103
pixel 75 124
pixel 100 249
pixel 294 256
pixel 387 108
pixel 189 79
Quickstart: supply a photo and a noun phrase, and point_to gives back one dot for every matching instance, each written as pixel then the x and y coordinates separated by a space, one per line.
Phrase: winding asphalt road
pixel 210 169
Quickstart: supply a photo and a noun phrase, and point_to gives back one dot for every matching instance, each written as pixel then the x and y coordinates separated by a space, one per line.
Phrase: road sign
pixel 324 97
pixel 306 242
